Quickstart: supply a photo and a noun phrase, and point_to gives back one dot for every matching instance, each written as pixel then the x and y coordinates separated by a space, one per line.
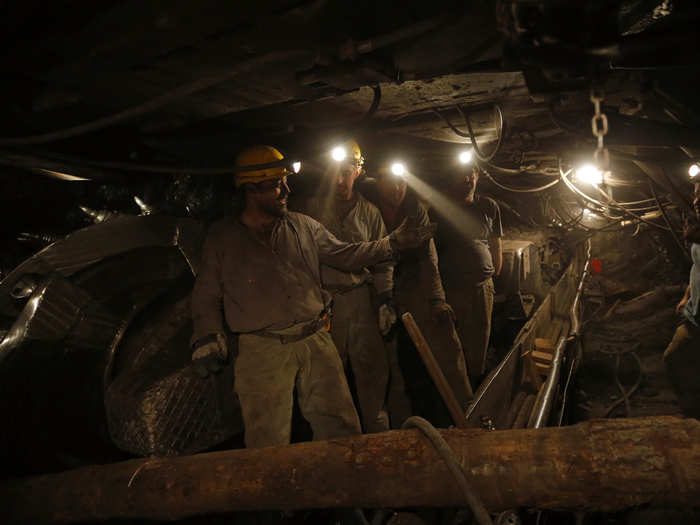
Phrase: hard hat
pixel 348 151
pixel 260 163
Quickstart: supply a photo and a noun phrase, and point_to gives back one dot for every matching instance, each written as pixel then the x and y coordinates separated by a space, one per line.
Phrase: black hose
pixel 350 124
pixel 470 135
pixel 680 244
pixel 477 152
pixel 477 507
pixel 622 209
pixel 377 98
pixel 521 190
pixel 626 394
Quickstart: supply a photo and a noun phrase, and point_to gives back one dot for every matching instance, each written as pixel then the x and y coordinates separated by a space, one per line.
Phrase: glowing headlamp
pixel 296 166
pixel 694 170
pixel 339 153
pixel 398 169
pixel 465 157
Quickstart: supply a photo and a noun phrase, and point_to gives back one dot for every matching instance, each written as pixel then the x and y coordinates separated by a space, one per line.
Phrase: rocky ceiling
pixel 93 89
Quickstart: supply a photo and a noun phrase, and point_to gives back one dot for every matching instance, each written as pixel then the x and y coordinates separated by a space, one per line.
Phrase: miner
pixel 681 357
pixel 260 277
pixel 362 307
pixel 419 290
pixel 471 255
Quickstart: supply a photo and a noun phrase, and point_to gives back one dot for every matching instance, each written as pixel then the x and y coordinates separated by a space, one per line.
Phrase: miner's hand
pixel 211 355
pixel 387 318
pixel 409 235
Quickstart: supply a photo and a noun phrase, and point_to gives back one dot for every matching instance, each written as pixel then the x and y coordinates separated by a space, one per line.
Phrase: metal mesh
pixel 156 403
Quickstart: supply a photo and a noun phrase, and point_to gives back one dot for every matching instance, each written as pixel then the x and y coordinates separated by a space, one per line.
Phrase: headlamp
pixel 339 153
pixel 398 169
pixel 694 170
pixel 465 157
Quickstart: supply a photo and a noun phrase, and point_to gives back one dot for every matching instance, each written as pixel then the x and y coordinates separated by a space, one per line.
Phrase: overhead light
pixel 296 167
pixel 398 169
pixel 465 157
pixel 339 153
pixel 589 174
pixel 694 170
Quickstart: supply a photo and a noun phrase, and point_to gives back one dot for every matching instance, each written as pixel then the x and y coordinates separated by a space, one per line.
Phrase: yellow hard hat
pixel 260 163
pixel 348 151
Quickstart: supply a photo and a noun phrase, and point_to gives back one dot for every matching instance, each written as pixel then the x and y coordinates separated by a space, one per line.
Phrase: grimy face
pixel 468 182
pixel 270 196
pixel 392 189
pixel 345 180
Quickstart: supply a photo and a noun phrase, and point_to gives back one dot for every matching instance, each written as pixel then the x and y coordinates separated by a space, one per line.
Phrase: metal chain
pixel 599 126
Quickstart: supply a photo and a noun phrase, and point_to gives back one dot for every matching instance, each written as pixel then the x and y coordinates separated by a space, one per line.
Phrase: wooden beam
pixel 597 465
pixel 448 396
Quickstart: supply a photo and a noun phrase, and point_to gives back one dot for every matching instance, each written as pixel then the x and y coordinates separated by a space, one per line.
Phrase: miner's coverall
pixel 354 325
pixel 468 268
pixel 271 295
pixel 419 290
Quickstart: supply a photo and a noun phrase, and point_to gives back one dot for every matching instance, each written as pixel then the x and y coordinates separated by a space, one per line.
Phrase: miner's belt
pixel 322 323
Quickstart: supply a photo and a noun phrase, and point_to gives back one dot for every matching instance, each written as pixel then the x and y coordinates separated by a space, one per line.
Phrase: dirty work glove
pixel 387 318
pixel 408 235
pixel 443 312
pixel 210 354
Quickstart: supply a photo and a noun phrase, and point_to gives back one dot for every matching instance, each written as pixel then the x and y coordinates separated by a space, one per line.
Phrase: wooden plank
pixel 542 356
pixel 531 375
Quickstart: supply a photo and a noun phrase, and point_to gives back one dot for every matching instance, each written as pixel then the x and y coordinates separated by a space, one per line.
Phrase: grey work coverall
pixel 418 288
pixel 354 326
pixel 468 270
pixel 270 295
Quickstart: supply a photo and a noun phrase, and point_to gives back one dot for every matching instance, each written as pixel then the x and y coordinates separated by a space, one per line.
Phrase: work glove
pixel 681 305
pixel 210 354
pixel 408 236
pixel 387 318
pixel 443 312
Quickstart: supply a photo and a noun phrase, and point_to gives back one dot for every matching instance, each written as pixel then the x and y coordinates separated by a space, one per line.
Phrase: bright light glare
pixel 589 174
pixel 587 212
pixel 465 157
pixel 296 167
pixel 694 170
pixel 398 169
pixel 339 153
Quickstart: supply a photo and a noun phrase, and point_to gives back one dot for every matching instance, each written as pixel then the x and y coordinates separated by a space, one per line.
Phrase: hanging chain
pixel 599 126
